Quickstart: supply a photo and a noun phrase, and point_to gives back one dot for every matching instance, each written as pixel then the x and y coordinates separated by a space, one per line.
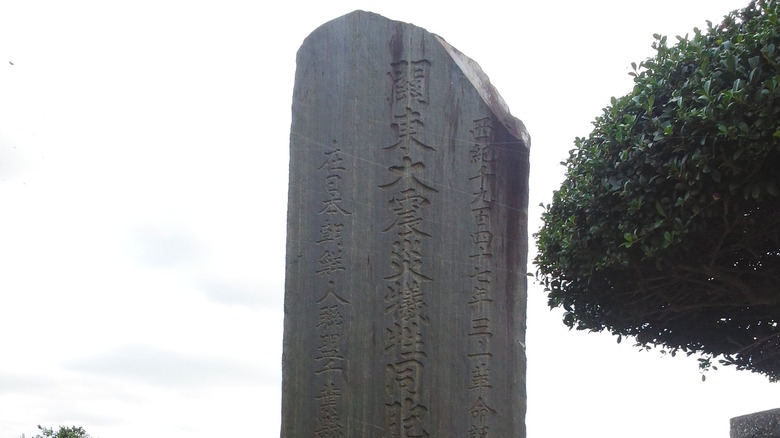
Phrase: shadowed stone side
pixel 765 424
pixel 405 295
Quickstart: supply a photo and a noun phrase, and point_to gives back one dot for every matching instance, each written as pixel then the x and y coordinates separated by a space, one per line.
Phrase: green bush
pixel 666 228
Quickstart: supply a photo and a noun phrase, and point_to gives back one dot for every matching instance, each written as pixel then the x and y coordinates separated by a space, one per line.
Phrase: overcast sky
pixel 143 175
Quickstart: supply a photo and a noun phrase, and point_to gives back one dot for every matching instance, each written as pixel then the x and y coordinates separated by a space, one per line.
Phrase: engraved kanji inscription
pixel 409 196
pixel 479 354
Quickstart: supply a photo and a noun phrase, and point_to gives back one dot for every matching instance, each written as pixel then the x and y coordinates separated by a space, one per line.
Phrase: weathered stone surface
pixel 765 424
pixel 405 299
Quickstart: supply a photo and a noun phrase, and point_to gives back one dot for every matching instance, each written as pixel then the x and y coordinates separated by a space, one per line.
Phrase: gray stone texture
pixel 405 300
pixel 765 424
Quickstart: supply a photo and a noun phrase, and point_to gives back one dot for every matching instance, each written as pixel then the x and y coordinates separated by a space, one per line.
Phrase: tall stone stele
pixel 405 300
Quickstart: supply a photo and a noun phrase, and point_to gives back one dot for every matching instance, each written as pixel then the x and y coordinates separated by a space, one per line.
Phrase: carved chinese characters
pixel 406 241
pixel 480 300
pixel 329 358
pixel 407 282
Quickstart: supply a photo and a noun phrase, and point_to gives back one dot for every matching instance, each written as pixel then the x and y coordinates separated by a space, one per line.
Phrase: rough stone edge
pixel 763 424
pixel 470 69
pixel 487 91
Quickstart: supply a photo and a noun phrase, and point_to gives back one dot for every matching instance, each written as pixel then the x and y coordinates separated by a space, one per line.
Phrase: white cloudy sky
pixel 143 158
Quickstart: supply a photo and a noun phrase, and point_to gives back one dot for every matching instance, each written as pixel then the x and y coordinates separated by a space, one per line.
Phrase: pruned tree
pixel 667 226
pixel 63 432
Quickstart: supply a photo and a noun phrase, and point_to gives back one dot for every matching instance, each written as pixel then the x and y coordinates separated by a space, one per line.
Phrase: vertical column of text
pixel 331 304
pixel 480 299
pixel 406 410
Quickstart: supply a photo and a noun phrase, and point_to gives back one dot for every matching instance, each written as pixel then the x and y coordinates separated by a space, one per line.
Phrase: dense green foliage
pixel 63 432
pixel 667 226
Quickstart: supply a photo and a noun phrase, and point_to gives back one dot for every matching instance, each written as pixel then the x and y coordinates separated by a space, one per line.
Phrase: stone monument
pixel 764 424
pixel 405 296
